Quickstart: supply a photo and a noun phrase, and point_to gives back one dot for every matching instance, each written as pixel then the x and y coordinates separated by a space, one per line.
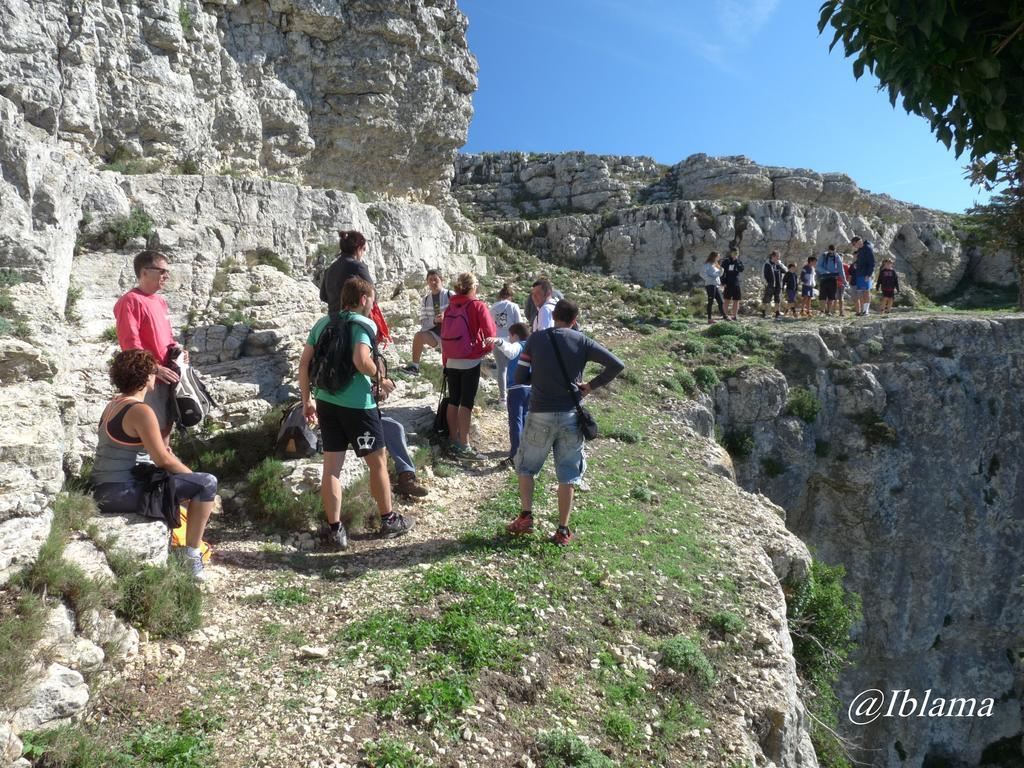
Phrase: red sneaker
pixel 562 536
pixel 521 525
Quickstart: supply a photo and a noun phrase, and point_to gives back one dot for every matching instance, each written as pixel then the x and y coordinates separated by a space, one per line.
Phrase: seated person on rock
pixel 129 435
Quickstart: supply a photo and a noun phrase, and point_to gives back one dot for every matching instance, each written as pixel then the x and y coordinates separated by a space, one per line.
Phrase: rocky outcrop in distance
pixel 655 224
pixel 911 476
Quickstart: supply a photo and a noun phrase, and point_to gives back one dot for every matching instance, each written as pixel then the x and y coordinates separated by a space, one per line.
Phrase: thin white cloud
pixel 741 20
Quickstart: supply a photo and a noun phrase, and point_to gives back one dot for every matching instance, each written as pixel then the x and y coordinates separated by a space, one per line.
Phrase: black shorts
pixel 771 293
pixel 732 292
pixel 828 288
pixel 342 427
pixel 462 386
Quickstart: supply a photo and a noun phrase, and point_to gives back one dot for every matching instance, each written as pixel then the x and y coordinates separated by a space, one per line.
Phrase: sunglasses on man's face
pixel 161 270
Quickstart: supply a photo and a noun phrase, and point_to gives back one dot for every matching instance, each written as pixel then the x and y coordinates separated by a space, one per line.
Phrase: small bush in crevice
pixel 772 466
pixel 739 443
pixel 685 656
pixel 706 377
pixel 822 448
pixel 267 257
pixel 803 404
pixel 727 622
pixel 136 224
pixel 165 600
pixel 821 614
pixel 272 504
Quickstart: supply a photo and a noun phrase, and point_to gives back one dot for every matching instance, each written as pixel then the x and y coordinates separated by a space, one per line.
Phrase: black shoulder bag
pixel 585 420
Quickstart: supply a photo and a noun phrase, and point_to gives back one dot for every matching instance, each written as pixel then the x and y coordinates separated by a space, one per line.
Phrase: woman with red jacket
pixel 466 326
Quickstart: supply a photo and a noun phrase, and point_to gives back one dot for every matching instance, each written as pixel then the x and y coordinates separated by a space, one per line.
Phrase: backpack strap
pixel 550 332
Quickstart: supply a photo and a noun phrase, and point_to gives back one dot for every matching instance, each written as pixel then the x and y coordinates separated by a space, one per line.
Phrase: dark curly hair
pixel 130 369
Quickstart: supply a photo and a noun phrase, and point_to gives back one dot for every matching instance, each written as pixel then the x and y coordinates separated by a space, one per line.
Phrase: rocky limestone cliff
pixel 912 476
pixel 351 95
pixel 654 225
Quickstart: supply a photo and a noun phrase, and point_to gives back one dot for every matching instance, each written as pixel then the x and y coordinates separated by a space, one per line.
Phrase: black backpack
pixel 296 439
pixel 331 366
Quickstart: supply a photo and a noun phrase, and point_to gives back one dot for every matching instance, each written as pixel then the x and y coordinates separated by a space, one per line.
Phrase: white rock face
pixel 20 541
pixel 143 539
pixel 354 95
pixel 59 695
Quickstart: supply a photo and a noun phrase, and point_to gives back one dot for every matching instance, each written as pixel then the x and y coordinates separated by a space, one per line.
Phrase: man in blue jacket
pixel 864 265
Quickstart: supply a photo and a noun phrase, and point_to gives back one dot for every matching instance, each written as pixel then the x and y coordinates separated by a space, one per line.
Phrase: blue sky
pixel 669 78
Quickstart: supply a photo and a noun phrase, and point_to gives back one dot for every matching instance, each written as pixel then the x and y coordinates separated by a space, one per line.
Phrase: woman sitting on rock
pixel 129 435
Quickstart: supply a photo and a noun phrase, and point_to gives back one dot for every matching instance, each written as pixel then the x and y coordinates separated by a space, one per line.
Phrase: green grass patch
pixel 269 258
pixel 739 443
pixel 561 749
pixel 165 600
pixel 772 466
pixel 285 596
pixel 20 629
pixel 390 753
pixel 109 334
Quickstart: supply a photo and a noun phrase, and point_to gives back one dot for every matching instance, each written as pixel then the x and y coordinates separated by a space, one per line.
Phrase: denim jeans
pixel 546 431
pixel 518 403
pixel 394 441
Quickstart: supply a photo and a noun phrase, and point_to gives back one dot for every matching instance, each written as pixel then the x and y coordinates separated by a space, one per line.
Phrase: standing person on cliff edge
pixel 864 266
pixel 772 273
pixel 143 322
pixel 732 267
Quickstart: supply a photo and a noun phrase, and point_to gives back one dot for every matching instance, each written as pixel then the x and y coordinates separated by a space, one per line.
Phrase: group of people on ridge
pixel 830 275
pixel 540 357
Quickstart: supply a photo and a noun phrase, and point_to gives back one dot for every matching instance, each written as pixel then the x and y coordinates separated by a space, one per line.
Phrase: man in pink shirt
pixel 143 322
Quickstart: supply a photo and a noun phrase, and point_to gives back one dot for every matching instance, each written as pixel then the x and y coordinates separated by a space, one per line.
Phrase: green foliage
pixel 803 404
pixel 727 622
pixel 390 753
pixel 561 749
pixel 20 630
pixel 269 258
pixel 956 65
pixel 272 504
pixel 623 728
pixel 110 334
pixel 136 224
pixel 1000 222
pixel 706 377
pixel 189 167
pixel 71 303
pixel 821 614
pixel 187 744
pixel 772 466
pixel 738 442
pixel 685 656
pixel 286 596
pixel 165 600
pixel 229 454
pixel 185 17
pixel 822 448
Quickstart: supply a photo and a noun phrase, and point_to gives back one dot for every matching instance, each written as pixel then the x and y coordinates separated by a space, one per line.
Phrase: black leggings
pixel 122 498
pixel 462 386
pixel 714 294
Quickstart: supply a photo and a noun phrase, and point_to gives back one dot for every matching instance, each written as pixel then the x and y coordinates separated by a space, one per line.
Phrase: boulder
pixel 142 539
pixel 20 542
pixel 54 699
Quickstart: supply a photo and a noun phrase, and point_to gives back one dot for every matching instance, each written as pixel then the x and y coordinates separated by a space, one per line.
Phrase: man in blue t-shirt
pixel 348 416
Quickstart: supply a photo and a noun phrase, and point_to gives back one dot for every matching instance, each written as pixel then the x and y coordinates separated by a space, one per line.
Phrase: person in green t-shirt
pixel 349 417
